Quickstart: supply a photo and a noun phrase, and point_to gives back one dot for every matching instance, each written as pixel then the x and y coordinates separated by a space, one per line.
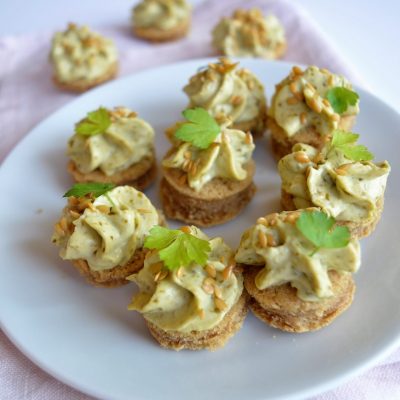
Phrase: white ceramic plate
pixel 85 337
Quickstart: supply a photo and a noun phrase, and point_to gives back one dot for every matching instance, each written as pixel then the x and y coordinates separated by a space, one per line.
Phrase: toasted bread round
pixel 280 307
pixel 160 35
pixel 219 200
pixel 81 85
pixel 281 144
pixel 210 339
pixel 114 276
pixel 357 230
pixel 139 175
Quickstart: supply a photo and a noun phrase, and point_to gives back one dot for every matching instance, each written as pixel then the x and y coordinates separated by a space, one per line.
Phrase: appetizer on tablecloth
pixel 247 33
pixel 161 20
pixel 82 59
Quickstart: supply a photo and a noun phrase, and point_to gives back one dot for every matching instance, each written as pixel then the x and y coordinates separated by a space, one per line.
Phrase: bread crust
pixel 281 144
pixel 358 230
pixel 219 201
pixel 114 276
pixel 280 307
pixel 210 339
pixel 81 85
pixel 139 175
pixel 159 35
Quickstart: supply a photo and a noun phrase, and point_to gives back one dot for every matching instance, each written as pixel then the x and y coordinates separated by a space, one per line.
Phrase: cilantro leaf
pixel 201 129
pixel 319 229
pixel 177 248
pixel 345 142
pixel 340 98
pixel 93 188
pixel 96 122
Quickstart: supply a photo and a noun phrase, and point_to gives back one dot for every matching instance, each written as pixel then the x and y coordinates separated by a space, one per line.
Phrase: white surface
pixel 366 32
pixel 85 336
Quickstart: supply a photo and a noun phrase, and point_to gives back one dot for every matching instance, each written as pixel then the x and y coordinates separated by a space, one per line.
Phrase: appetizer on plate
pixel 190 293
pixel 161 20
pixel 208 173
pixel 228 92
pixel 297 269
pixel 113 146
pixel 341 179
pixel 308 106
pixel 102 230
pixel 82 59
pixel 248 33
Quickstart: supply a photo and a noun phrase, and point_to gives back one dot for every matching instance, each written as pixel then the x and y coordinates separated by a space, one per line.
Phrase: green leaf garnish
pixel 319 229
pixel 200 130
pixel 345 142
pixel 177 248
pixel 93 188
pixel 341 98
pixel 95 123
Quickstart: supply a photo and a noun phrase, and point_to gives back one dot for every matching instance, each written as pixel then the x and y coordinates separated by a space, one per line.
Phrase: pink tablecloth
pixel 27 96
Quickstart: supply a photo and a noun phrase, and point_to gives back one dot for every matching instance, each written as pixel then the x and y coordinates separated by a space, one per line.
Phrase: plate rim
pixel 315 390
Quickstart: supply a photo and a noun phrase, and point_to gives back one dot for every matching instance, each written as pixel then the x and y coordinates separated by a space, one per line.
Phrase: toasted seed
pixel 103 209
pixel 335 117
pixel 292 100
pixel 318 158
pixel 226 273
pixel 297 70
pixel 220 305
pixel 292 217
pixel 301 157
pixel 315 106
pixel 324 70
pixel 262 221
pixel 202 313
pixel 293 87
pixel 271 240
pixel 342 169
pixel 185 229
pixel 163 274
pixel 217 291
pixel 211 271
pixel 248 139
pixel 179 273
pixel 156 267
pixel 73 201
pixel 187 154
pixel 303 118
pixel 74 214
pixel 262 239
pixel 59 229
pixel 64 224
pixel 330 80
pixel 208 288
pixel 236 100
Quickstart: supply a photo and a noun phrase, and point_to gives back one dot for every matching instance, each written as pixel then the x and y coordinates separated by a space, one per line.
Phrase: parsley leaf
pixel 96 122
pixel 93 188
pixel 319 229
pixel 340 98
pixel 345 142
pixel 201 129
pixel 177 248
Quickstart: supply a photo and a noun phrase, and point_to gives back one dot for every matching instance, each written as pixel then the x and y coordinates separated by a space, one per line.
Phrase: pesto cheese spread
pixel 125 142
pixel 108 233
pixel 80 54
pixel 289 257
pixel 191 298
